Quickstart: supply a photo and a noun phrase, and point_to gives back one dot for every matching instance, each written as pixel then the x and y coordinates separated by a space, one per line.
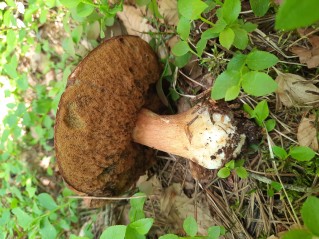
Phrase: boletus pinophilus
pixel 100 120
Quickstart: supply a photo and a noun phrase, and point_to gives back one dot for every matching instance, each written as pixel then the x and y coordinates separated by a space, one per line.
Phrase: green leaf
pixel 213 232
pixel 181 61
pixel 258 83
pixel 302 153
pixel 232 93
pixel 231 10
pixel 223 82
pixel 117 232
pixel 180 48
pixel 310 214
pixel 280 152
pixel 230 164
pixel 70 3
pixel 223 172
pixel 190 226
pixel 68 46
pixel 295 14
pixel 77 33
pixel 249 27
pixel 259 7
pixel 191 10
pixel 132 234
pixel 143 225
pixel 270 124
pixel 237 62
pixel 46 201
pixel 260 60
pixel 50 3
pixel 200 46
pixel 84 10
pixel 138 202
pixel 297 234
pixel 23 219
pixel 47 230
pixel 275 185
pixel 241 38
pixel 261 110
pixel 136 214
pixel 227 37
pixel 241 172
pixel 239 163
pixel 220 25
pixel 169 236
pixel 183 28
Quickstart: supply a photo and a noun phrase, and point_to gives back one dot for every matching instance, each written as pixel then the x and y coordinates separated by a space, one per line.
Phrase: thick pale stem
pixel 209 139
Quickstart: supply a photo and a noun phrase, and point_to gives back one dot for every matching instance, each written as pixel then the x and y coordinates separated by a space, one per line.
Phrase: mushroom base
pixel 205 134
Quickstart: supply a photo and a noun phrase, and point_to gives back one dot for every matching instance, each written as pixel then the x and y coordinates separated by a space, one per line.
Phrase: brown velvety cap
pixel 97 113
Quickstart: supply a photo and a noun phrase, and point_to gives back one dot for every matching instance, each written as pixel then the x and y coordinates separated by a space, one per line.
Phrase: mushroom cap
pixel 97 114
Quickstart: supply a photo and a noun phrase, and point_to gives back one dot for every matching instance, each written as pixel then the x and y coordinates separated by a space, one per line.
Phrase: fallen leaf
pixel 307 132
pixel 308 56
pixel 177 206
pixel 294 90
pixel 272 237
pixel 135 22
pixel 168 9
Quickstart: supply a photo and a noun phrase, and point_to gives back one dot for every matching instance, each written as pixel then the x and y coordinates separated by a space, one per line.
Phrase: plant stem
pixel 206 21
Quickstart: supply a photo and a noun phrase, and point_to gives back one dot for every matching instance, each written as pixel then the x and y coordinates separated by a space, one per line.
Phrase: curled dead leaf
pixel 307 132
pixel 308 56
pixel 168 9
pixel 135 22
pixel 294 90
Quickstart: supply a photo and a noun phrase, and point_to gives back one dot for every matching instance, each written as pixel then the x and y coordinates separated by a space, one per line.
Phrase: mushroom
pixel 100 122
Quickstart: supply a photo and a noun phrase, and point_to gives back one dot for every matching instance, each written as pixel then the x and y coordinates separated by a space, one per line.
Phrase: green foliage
pixel 236 166
pixel 242 71
pixel 310 217
pixel 139 227
pixel 260 114
pixel 310 214
pixel 293 14
pixel 259 7
pixel 299 153
pixel 190 226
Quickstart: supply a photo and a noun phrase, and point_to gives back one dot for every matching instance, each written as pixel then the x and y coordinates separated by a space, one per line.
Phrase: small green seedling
pixel 228 28
pixel 139 225
pixel 244 71
pixel 310 217
pixel 299 153
pixel 237 166
pixel 260 114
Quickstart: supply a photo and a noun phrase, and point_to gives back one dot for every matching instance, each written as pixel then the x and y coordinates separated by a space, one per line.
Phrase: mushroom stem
pixel 206 137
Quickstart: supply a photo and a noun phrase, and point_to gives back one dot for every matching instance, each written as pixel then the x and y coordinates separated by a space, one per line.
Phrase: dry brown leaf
pixel 307 132
pixel 294 90
pixel 135 22
pixel 177 206
pixel 308 56
pixel 168 9
pixel 272 237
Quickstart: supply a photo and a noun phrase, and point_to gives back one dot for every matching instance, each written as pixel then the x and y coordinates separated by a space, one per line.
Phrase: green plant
pixel 310 217
pixel 260 113
pixel 299 153
pixel 294 14
pixel 236 166
pixel 245 71
pixel 139 226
